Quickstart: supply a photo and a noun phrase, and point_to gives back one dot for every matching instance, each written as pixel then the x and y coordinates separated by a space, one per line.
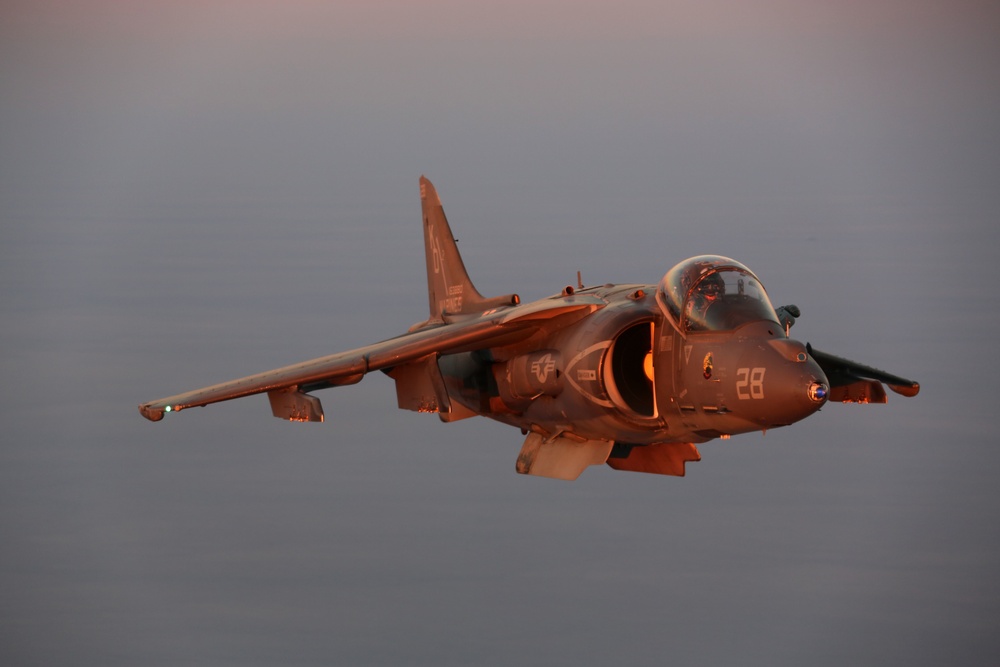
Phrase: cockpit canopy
pixel 713 293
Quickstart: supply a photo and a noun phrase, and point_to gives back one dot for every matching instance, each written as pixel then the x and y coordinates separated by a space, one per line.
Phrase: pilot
pixel 705 294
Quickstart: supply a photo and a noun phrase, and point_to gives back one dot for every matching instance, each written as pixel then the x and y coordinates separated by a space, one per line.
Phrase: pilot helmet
pixel 712 286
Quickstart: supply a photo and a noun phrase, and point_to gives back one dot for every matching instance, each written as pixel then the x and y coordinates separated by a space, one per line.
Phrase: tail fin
pixel 450 291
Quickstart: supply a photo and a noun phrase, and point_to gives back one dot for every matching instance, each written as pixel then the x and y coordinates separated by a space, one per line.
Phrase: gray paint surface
pixel 191 192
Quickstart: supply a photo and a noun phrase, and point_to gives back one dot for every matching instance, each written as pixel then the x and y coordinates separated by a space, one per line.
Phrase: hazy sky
pixel 195 191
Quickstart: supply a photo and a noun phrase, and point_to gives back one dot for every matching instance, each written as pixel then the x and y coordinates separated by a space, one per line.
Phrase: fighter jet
pixel 635 376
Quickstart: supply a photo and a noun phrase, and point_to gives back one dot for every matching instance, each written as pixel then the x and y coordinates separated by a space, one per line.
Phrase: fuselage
pixel 626 369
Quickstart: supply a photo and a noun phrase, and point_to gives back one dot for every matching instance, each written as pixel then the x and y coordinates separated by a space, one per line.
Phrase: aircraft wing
pixel 286 387
pixel 851 382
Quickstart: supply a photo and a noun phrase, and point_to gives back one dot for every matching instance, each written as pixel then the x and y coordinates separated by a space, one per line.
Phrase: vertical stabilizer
pixel 450 291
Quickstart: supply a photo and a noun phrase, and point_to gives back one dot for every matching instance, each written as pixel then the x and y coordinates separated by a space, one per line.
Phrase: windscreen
pixel 712 293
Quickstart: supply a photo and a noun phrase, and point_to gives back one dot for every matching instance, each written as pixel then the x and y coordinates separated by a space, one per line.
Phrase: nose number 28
pixel 750 383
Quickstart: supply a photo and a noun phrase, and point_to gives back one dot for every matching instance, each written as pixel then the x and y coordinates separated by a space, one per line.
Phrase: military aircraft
pixel 635 376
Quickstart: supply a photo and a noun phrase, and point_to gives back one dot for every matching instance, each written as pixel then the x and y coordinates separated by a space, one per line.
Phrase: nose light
pixel 818 392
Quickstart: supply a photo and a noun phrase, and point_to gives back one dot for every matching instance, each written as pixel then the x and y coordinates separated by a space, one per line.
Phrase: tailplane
pixel 450 290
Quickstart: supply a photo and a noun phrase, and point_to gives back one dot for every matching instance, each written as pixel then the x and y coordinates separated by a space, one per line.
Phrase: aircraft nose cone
pixel 787 390
pixel 803 390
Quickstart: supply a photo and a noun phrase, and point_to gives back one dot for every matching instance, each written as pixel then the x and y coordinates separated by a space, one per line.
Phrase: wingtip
pixel 153 414
pixel 908 390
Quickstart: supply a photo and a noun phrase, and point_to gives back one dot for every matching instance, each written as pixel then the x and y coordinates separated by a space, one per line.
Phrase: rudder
pixel 449 288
